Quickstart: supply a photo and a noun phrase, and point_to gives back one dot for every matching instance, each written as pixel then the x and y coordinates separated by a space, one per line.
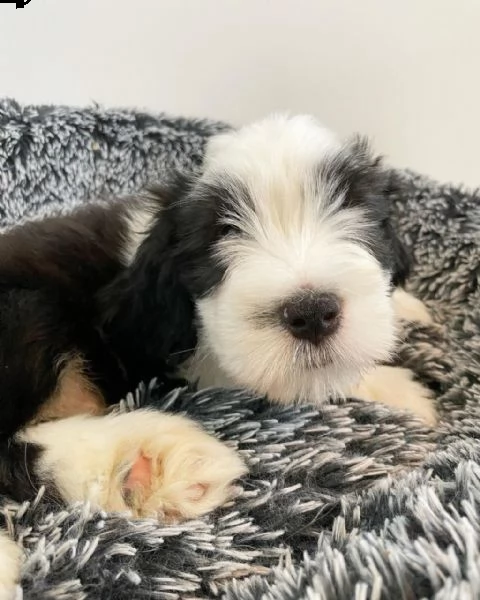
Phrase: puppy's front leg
pixel 410 309
pixel 396 386
pixel 10 560
pixel 147 462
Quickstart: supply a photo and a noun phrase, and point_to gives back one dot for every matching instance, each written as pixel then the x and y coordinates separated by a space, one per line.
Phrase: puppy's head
pixel 285 245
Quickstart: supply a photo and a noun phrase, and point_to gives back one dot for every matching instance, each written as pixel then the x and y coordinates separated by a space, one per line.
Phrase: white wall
pixel 405 71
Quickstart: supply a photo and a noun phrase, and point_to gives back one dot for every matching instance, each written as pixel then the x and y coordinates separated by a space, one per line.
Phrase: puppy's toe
pixel 182 480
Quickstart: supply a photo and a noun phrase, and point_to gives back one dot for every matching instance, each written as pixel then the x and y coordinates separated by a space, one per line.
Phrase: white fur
pixel 139 220
pixel 10 560
pixel 294 239
pixel 278 144
pixel 90 457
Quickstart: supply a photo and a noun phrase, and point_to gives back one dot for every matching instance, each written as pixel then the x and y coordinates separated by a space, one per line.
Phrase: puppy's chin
pixel 310 386
pixel 269 362
pixel 304 383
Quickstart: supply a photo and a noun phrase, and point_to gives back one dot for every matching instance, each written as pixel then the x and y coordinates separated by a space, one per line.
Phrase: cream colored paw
pixel 411 309
pixel 10 560
pixel 396 387
pixel 151 463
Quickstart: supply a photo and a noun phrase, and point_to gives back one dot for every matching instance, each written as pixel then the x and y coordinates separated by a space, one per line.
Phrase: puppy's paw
pixel 150 463
pixel 185 476
pixel 397 387
pixel 10 561
pixel 410 309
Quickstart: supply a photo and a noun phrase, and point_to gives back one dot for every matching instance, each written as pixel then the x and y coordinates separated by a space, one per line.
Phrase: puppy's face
pixel 290 260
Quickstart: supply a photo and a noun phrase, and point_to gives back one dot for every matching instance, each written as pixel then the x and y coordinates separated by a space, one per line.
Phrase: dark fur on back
pixel 50 274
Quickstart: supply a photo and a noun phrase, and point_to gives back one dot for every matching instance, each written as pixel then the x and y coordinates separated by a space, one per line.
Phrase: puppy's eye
pixel 228 229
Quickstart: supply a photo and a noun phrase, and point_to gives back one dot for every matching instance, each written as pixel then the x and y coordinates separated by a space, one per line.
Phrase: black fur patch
pixel 149 310
pixel 364 182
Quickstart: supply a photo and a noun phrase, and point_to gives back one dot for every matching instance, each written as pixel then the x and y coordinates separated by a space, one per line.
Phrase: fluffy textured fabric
pixel 342 501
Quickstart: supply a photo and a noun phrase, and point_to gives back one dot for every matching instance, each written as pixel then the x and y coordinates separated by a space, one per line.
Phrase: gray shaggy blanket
pixel 342 501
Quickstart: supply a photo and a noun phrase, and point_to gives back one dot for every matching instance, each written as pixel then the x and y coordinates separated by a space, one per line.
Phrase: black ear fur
pixel 401 257
pixel 147 313
pixel 364 175
pixel 401 260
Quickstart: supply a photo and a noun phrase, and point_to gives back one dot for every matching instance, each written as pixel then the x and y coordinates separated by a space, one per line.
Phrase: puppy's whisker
pixel 180 352
pixel 203 356
pixel 298 349
pixel 25 460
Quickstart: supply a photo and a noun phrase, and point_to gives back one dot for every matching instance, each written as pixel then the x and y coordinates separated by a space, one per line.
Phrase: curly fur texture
pixel 342 501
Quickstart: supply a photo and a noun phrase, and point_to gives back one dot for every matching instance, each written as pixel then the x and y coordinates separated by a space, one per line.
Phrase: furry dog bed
pixel 351 500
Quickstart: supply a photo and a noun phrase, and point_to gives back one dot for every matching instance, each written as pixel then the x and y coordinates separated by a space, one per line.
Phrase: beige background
pixel 406 72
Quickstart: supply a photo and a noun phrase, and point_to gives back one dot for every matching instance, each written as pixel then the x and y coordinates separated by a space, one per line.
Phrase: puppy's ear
pixel 147 313
pixel 401 258
pixel 367 182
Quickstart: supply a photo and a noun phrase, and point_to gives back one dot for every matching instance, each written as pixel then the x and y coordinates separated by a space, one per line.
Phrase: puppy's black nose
pixel 312 316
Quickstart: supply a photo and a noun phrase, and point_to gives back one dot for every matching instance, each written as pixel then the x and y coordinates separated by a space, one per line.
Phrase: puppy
pixel 274 270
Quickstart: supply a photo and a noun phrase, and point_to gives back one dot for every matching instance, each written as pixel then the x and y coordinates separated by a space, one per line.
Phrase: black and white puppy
pixel 272 270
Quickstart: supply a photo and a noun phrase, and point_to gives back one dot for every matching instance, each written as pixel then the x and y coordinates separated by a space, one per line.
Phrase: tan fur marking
pixel 411 309
pixel 75 394
pixel 396 386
